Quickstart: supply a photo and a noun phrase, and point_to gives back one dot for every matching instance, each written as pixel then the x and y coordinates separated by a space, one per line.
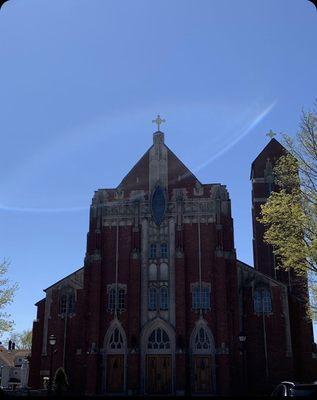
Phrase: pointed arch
pixel 115 359
pixel 201 339
pixel 157 341
pixel 158 323
pixel 115 338
pixel 202 359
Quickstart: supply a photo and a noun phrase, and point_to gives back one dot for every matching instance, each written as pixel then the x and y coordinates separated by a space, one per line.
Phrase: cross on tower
pixel 158 121
pixel 271 134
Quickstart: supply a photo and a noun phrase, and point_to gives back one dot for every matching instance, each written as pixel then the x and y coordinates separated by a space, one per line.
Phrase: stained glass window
pixel 164 250
pixel 196 298
pixel 153 250
pixel 67 301
pixel 202 341
pixel 152 300
pixel 158 340
pixel 262 300
pixel 112 299
pixel 116 340
pixel 163 298
pixel 158 205
pixel 201 299
pixel 120 299
pixel 205 297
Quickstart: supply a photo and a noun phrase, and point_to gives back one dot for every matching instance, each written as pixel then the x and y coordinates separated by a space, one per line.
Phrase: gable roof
pixel 7 357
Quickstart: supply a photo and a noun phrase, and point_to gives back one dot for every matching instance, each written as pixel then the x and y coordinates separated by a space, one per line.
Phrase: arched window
pixel 164 272
pixel 262 300
pixel 152 301
pixel 116 340
pixel 158 205
pixel 164 298
pixel 164 252
pixel 153 250
pixel 202 341
pixel 153 272
pixel 158 340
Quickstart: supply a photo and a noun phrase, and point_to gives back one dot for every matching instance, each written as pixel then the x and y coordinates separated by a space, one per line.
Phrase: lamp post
pixel 242 340
pixel 52 343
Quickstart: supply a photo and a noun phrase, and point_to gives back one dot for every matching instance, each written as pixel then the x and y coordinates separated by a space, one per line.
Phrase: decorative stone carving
pixel 198 189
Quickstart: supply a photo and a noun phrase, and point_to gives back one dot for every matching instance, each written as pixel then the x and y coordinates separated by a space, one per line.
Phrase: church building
pixel 162 305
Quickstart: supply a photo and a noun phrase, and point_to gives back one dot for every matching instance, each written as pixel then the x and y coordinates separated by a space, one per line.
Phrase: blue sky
pixel 81 81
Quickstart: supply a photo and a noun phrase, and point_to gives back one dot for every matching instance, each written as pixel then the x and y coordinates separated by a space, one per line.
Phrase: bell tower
pixel 262 186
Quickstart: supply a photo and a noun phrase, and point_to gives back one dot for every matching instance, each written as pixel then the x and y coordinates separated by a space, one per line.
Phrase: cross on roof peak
pixel 158 121
pixel 271 134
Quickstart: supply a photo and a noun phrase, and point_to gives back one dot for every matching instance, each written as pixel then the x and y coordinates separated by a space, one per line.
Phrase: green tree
pixel 6 297
pixel 290 214
pixel 22 340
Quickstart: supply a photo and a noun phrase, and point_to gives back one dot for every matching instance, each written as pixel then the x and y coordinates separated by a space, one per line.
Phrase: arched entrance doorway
pixel 202 360
pixel 115 359
pixel 158 359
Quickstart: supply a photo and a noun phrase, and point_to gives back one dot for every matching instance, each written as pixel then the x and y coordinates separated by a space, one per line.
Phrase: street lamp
pixel 242 340
pixel 52 343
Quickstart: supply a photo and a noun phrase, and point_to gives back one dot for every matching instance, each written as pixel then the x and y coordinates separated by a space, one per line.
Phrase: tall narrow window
pixel 196 298
pixel 116 298
pixel 63 304
pixel 201 298
pixel 164 298
pixel 205 298
pixel 71 302
pixel 153 250
pixel 67 300
pixel 112 299
pixel 164 253
pixel 121 296
pixel 262 300
pixel 152 299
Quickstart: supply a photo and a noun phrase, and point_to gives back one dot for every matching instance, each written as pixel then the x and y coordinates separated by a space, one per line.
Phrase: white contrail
pixel 244 132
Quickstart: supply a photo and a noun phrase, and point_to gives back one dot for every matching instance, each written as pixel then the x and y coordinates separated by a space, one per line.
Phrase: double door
pixel 202 374
pixel 115 373
pixel 159 374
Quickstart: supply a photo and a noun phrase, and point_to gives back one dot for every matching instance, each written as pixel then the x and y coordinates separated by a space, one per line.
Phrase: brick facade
pixel 130 311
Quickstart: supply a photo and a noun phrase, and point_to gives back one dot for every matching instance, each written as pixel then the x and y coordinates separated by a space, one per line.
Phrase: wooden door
pixel 202 374
pixel 159 374
pixel 115 373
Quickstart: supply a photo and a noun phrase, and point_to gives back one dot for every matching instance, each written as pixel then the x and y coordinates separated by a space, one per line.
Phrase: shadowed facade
pixel 161 300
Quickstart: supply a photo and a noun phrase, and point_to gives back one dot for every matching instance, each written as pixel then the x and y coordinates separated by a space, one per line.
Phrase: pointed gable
pixel 272 151
pixel 138 177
